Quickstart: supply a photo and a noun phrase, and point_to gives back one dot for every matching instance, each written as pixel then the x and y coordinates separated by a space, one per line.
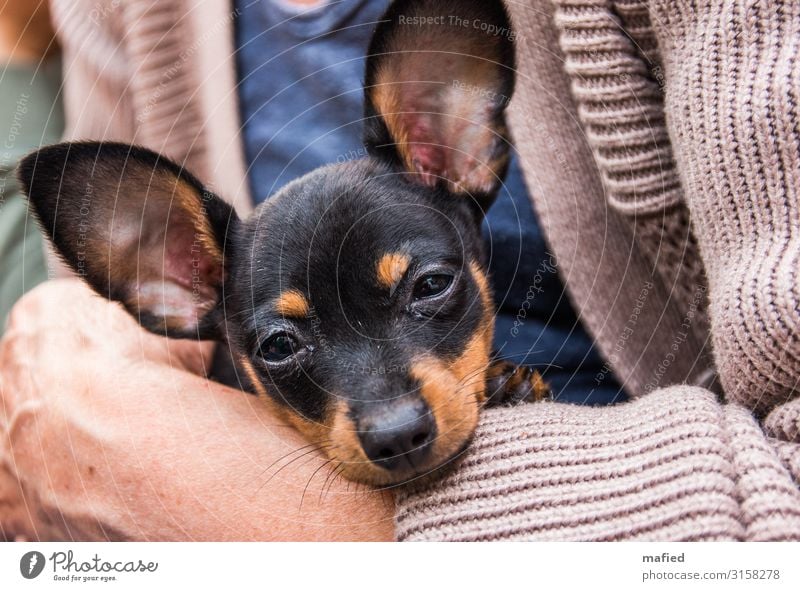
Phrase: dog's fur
pixel 357 297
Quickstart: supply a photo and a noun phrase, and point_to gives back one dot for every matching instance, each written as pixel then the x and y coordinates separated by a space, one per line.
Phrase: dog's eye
pixel 431 285
pixel 278 347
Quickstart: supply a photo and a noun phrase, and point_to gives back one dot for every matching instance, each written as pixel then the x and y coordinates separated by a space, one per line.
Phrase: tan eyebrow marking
pixel 293 304
pixel 390 269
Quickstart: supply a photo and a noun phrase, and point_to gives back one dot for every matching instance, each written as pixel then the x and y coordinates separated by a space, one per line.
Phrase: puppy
pixel 356 299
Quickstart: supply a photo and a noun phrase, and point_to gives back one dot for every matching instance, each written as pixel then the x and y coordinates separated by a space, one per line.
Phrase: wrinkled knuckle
pixel 13 344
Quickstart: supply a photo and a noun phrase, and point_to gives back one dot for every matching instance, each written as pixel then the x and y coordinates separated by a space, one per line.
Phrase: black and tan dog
pixel 356 298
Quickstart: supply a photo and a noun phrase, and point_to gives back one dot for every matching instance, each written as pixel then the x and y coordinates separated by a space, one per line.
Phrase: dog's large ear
pixel 439 77
pixel 138 228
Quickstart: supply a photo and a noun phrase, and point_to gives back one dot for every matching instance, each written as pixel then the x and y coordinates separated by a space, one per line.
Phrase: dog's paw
pixel 508 384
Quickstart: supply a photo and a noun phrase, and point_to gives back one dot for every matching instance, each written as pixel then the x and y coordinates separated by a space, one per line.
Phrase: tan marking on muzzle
pixel 339 436
pixel 248 368
pixel 454 404
pixel 471 366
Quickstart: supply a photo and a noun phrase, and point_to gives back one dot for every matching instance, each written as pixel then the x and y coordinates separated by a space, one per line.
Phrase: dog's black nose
pixel 398 435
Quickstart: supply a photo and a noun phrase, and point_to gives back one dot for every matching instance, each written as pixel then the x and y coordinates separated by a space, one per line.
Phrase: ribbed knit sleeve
pixel 673 465
pixel 732 74
pixel 612 60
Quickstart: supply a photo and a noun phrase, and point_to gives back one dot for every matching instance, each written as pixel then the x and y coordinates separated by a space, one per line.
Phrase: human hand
pixel 110 432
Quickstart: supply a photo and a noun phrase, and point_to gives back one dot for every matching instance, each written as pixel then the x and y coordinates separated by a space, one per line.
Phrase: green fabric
pixel 31 115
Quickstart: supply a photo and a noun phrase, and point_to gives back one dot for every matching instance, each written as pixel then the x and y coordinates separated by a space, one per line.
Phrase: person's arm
pixel 111 433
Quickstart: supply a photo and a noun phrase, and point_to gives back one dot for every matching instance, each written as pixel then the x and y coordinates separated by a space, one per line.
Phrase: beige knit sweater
pixel 660 140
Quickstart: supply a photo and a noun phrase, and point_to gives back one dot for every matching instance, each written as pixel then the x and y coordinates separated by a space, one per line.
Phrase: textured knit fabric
pixel 664 467
pixel 677 462
pixel 733 77
pixel 300 78
pixel 616 81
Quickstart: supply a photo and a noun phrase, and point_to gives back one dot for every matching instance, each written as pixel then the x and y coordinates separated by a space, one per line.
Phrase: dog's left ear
pixel 439 77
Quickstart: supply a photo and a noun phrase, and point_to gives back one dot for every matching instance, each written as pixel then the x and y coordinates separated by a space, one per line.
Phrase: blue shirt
pixel 300 92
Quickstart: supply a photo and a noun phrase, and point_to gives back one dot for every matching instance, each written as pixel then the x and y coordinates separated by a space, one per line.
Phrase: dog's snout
pixel 398 436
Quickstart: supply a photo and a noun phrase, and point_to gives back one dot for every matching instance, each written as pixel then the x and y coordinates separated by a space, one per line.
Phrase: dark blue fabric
pixel 300 76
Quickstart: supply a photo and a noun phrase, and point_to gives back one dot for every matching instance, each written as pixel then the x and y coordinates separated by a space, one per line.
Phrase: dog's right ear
pixel 439 76
pixel 138 228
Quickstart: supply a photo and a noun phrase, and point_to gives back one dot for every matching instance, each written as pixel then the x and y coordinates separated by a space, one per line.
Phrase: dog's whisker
pixel 332 476
pixel 315 448
pixel 294 451
pixel 324 484
pixel 338 476
pixel 313 474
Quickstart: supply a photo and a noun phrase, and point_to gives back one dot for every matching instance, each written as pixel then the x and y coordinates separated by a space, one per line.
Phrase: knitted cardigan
pixel 661 145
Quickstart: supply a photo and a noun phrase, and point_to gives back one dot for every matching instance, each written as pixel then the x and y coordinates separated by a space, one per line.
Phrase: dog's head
pixel 356 298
